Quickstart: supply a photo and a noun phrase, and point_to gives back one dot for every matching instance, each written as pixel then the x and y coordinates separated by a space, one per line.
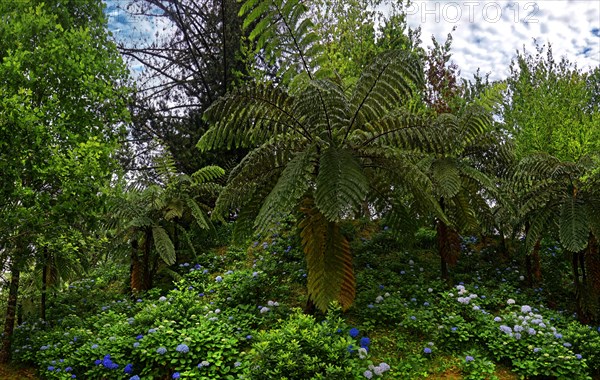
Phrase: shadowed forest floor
pixel 9 372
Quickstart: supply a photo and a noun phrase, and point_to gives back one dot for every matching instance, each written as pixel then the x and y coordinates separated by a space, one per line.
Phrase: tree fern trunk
pixel 135 269
pixel 11 310
pixel 533 266
pixel 592 263
pixel 448 242
pixel 44 285
pixel 146 260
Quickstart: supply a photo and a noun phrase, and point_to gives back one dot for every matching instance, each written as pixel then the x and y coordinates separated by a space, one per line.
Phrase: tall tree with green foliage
pixel 552 114
pixel 60 119
pixel 179 74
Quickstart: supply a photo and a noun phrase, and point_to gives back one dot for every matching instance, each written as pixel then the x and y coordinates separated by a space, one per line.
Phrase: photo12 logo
pixel 489 11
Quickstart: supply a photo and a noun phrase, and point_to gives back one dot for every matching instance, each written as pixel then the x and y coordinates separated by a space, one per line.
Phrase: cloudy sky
pixel 487 36
pixel 488 33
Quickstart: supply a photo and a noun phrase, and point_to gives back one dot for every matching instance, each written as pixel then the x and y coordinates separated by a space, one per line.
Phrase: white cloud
pixel 489 32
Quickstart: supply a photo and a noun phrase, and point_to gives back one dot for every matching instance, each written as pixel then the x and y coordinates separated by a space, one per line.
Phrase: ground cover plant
pixel 241 318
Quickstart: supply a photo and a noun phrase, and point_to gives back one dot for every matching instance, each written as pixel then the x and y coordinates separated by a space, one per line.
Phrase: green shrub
pixel 302 348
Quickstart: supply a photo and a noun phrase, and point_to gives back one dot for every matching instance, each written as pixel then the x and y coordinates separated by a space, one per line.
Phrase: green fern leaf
pixel 539 224
pixel 164 245
pixel 341 183
pixel 447 177
pixel 573 229
pixel 384 85
pixel 328 258
pixel 207 174
pixel 291 186
pixel 199 216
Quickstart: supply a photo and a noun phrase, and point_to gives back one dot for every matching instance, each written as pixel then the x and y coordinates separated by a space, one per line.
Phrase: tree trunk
pixel 11 310
pixel 448 242
pixel 135 269
pixel 44 285
pixel 533 266
pixel 146 260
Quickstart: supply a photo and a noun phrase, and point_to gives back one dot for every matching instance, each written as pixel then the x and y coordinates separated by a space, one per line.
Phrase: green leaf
pixel 164 245
pixel 292 184
pixel 341 183
pixel 573 229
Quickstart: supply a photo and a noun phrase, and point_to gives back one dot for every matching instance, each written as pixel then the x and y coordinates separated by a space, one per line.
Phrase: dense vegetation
pixel 291 198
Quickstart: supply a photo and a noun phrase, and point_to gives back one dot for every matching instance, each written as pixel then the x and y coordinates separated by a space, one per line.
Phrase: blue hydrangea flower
pixel 182 348
pixel 176 375
pixel 364 342
pixel 128 368
pixel 161 350
pixel 134 377
pixel 218 279
pixel 427 350
pixel 50 368
pixel 354 332
pixel 469 358
pixel 68 369
pixel 139 337
pixel 578 356
pixel 368 374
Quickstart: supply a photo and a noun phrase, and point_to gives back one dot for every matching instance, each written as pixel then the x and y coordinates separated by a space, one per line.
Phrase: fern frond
pixel 446 176
pixel 199 216
pixel 462 213
pixel 207 174
pixel 164 245
pixel 323 107
pixel 328 258
pixel 573 229
pixel 263 162
pixel 174 209
pixel 294 181
pixel 401 130
pixel 384 86
pixel 250 116
pixel 282 30
pixel 539 224
pixel 341 183
pixel 474 122
pixel 243 227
